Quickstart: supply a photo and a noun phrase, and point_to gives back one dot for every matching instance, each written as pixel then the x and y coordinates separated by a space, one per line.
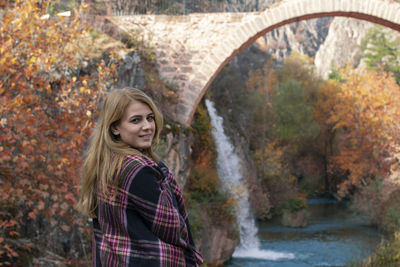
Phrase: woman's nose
pixel 146 125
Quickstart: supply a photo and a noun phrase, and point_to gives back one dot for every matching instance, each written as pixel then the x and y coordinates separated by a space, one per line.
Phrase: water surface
pixel 334 237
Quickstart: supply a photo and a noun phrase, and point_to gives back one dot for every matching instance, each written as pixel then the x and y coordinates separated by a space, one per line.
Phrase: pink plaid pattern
pixel 146 224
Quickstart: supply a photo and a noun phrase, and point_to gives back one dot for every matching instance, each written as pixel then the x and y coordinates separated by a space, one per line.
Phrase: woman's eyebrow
pixel 139 116
pixel 135 116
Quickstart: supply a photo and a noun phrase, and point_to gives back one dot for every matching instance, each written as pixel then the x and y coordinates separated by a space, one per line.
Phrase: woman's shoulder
pixel 132 159
pixel 132 166
pixel 133 163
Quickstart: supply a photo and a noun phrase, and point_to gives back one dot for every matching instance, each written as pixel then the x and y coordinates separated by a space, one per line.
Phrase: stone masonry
pixel 192 49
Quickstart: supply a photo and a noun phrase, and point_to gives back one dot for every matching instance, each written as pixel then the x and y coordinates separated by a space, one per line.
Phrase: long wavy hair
pixel 106 152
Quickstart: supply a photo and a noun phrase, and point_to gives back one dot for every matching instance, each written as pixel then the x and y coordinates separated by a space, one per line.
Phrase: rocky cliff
pixel 216 242
pixel 331 41
pixel 304 37
pixel 342 45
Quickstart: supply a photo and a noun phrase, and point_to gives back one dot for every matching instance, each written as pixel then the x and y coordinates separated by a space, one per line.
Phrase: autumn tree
pixel 261 88
pixel 275 173
pixel 48 98
pixel 366 112
pixel 326 100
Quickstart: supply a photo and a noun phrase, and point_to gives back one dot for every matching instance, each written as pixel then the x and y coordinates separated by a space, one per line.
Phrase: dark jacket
pixel 146 223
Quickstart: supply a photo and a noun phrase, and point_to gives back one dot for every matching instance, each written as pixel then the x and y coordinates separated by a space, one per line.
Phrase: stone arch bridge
pixel 192 49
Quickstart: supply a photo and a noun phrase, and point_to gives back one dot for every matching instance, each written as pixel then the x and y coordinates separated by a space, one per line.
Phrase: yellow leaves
pixel 7 19
pixel 13 60
pixel 31 61
pixel 387 118
pixel 364 96
pixel 364 110
pixel 49 34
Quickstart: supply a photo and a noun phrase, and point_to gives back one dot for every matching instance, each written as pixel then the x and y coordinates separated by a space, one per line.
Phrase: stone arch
pixel 198 55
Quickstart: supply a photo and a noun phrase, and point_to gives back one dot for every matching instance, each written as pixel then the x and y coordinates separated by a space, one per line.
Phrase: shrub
pixel 387 254
pixel 380 204
pixel 203 191
pixel 391 220
pixel 293 204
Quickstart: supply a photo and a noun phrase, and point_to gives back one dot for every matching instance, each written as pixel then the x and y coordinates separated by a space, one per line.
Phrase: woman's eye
pixel 135 120
pixel 150 118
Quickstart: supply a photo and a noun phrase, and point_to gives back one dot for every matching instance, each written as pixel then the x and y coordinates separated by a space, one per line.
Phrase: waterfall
pixel 229 171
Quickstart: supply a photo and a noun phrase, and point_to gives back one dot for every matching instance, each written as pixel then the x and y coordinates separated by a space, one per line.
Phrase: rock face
pixel 175 149
pixel 342 45
pixel 259 198
pixel 304 37
pixel 131 73
pixel 295 219
pixel 217 242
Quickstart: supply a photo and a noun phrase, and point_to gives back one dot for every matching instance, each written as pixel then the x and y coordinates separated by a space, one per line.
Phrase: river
pixel 334 237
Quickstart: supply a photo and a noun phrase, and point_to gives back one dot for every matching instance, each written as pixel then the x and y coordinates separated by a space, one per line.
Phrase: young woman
pixel 137 207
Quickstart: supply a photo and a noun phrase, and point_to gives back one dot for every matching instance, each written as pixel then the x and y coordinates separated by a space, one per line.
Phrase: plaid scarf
pixel 146 223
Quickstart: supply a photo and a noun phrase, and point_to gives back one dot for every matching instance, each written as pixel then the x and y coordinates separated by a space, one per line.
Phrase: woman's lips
pixel 146 136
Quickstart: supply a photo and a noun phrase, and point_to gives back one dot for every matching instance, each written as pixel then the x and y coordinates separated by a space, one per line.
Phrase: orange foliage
pixel 367 112
pixel 326 100
pixel 274 173
pixel 46 112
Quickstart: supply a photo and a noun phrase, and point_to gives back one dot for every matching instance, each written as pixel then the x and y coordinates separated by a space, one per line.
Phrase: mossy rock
pixel 296 219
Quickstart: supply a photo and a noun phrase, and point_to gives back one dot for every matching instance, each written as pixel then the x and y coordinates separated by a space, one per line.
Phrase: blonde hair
pixel 106 152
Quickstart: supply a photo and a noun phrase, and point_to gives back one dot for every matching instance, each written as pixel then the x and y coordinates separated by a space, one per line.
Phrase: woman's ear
pixel 114 129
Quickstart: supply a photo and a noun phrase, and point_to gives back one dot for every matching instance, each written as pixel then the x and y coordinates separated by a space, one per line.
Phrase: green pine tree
pixel 381 52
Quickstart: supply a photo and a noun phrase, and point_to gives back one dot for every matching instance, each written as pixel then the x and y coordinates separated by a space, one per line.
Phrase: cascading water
pixel 228 165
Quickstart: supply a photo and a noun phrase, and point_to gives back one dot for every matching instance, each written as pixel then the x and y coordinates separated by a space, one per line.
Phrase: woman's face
pixel 137 126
